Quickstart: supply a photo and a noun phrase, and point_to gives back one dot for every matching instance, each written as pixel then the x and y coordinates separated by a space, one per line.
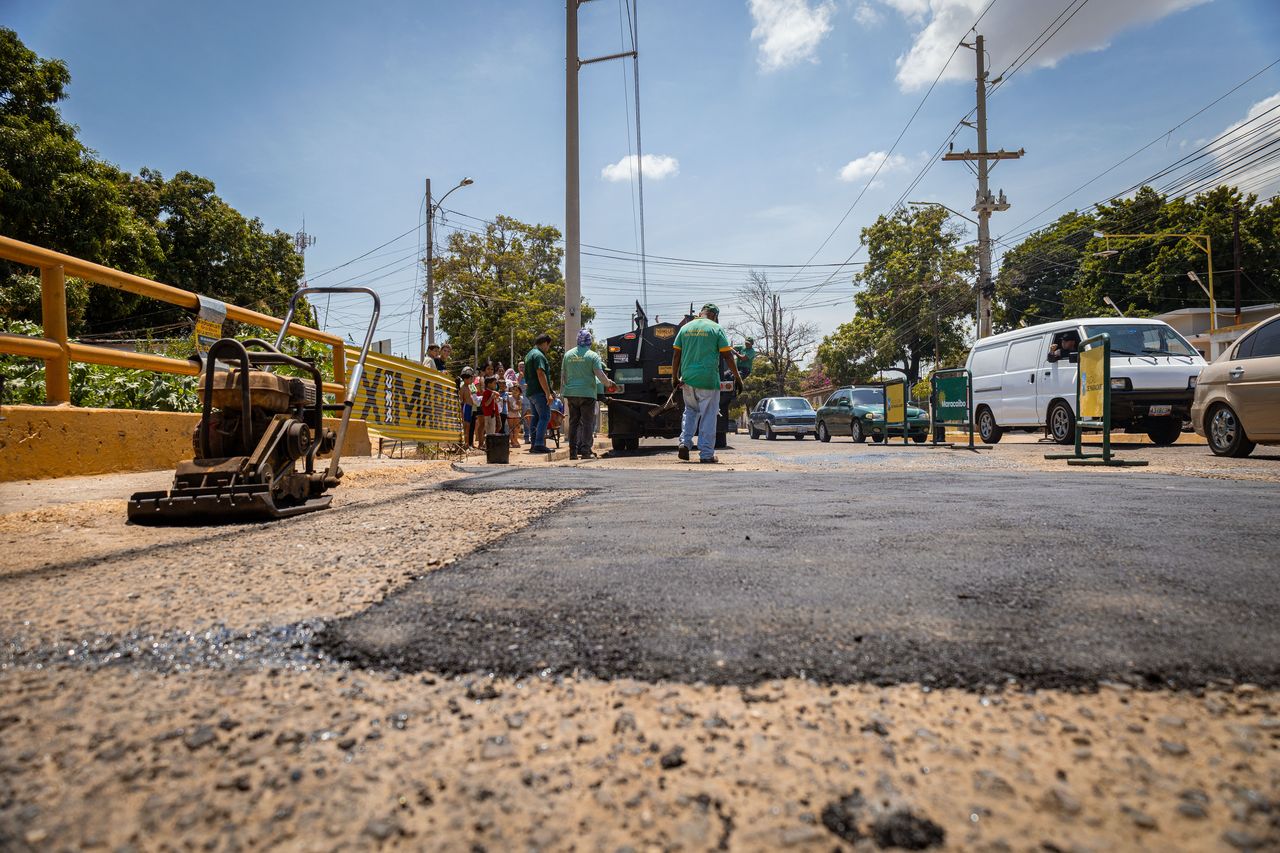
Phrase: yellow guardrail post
pixel 58 353
pixel 53 316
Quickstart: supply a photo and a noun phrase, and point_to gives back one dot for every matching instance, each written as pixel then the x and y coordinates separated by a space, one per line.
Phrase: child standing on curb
pixel 489 407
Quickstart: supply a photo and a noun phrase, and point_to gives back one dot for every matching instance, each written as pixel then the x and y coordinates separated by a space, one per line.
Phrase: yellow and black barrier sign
pixel 404 400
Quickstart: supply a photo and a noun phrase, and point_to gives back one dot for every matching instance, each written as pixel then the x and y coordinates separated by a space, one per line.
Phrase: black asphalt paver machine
pixel 256 426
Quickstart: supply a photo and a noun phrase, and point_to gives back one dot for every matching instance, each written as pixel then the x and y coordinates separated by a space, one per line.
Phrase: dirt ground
pixel 152 706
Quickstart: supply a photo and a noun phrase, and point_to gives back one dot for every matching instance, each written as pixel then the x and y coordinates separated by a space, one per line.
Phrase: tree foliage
pixel 505 280
pixel 914 297
pixel 56 193
pixel 1058 271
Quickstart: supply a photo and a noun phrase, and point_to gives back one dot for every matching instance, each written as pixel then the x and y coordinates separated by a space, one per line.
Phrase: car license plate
pixel 726 386
pixel 1155 411
pixel 664 370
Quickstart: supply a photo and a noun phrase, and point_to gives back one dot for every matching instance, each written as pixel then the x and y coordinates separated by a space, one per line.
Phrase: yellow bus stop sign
pixel 895 396
pixel 1093 378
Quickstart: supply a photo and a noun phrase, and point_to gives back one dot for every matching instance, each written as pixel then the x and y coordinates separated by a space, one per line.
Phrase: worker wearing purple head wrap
pixel 579 369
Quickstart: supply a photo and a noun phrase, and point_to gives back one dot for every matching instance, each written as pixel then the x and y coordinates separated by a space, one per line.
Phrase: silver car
pixel 775 416
pixel 1237 402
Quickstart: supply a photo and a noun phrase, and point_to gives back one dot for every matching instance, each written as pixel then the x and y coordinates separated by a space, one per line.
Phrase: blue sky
pixel 337 113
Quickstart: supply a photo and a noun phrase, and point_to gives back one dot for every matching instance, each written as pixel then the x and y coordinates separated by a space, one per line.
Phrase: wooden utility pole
pixel 985 203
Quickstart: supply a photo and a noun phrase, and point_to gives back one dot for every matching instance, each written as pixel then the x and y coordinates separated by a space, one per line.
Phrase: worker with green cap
pixel 746 356
pixel 700 346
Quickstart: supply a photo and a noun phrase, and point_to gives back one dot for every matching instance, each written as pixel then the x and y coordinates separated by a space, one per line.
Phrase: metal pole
pixel 431 281
pixel 1235 238
pixel 984 212
pixel 53 318
pixel 1213 305
pixel 572 208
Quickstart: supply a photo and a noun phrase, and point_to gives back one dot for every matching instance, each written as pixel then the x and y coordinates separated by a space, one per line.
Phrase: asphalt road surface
pixel 969 578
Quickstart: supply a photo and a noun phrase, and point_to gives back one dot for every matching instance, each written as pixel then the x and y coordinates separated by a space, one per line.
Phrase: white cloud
pixel 1009 28
pixel 866 166
pixel 912 10
pixel 867 15
pixel 656 167
pixel 1247 135
pixel 788 31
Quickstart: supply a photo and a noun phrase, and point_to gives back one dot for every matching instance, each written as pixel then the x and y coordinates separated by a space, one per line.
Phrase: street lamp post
pixel 429 312
pixel 1200 241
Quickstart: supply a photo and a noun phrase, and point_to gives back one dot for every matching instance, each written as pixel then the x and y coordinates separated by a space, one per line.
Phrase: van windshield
pixel 1143 339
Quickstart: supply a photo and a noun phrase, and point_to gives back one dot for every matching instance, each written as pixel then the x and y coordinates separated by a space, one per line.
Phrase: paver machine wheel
pixel 255 427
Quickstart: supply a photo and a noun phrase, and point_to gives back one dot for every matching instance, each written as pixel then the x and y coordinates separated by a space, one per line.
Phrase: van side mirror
pixel 1073 357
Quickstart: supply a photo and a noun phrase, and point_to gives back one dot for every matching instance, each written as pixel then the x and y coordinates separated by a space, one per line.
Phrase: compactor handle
pixel 353 382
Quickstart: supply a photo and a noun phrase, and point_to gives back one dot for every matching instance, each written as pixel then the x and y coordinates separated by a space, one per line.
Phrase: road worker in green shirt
pixel 700 346
pixel 537 370
pixel 582 377
pixel 746 357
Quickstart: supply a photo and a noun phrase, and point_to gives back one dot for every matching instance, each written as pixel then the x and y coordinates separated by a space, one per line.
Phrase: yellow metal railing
pixel 58 352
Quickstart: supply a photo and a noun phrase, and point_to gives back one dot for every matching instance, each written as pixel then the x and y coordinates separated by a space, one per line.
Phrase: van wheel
pixel 989 431
pixel 823 435
pixel 722 441
pixel 1062 423
pixel 855 430
pixel 620 445
pixel 1225 433
pixel 1167 432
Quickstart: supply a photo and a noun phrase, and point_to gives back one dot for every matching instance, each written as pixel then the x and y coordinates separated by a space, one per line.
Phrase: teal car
pixel 858 412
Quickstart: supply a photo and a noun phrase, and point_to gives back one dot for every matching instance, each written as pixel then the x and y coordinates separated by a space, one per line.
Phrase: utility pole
pixel 429 312
pixel 1235 239
pixel 985 204
pixel 301 242
pixel 572 205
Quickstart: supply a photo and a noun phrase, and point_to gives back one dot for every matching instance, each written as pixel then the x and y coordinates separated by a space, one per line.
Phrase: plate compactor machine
pixel 256 426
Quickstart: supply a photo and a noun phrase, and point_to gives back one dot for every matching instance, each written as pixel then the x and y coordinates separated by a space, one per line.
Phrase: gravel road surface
pixel 176 689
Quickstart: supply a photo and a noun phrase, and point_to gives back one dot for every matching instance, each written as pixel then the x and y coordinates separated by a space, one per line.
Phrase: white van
pixel 1026 378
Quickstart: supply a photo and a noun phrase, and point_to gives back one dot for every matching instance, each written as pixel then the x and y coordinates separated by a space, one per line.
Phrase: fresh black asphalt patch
pixel 1055 580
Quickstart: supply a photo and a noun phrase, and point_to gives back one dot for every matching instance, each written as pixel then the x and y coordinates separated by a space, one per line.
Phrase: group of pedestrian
pixel 519 401
pixel 493 403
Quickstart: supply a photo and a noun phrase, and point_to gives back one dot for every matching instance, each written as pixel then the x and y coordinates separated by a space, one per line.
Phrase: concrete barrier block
pixel 39 442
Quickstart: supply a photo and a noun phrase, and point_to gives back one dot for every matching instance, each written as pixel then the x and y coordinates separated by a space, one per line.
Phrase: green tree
pixel 506 279
pixel 1064 271
pixel 913 301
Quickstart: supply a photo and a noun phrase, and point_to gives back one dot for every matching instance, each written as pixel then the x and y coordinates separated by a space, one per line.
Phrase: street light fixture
pixel 429 313
pixel 1114 307
pixel 1200 241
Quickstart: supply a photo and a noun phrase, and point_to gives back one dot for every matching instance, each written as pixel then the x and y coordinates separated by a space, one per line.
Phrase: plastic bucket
pixel 497 449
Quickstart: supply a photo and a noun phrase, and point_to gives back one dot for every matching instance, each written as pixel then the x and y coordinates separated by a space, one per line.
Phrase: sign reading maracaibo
pixel 404 400
pixel 951 399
